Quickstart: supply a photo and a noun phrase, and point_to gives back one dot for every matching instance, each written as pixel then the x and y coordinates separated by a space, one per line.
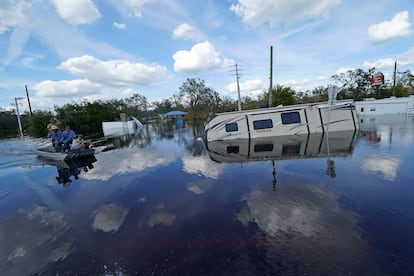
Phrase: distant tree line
pixel 198 101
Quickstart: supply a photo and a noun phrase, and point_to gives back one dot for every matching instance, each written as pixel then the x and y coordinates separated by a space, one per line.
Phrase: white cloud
pixel 201 57
pixel 12 15
pixel 29 60
pixel 119 25
pixel 406 58
pixel 295 84
pixel 184 31
pixel 258 12
pixel 113 72
pixel 136 6
pixel 248 85
pixel 77 11
pixel 399 26
pixel 16 17
pixel 65 88
pixel 345 70
pixel 381 63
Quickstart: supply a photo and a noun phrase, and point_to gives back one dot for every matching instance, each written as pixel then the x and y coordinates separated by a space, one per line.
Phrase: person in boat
pixel 67 136
pixel 63 176
pixel 78 143
pixel 75 171
pixel 53 122
pixel 56 135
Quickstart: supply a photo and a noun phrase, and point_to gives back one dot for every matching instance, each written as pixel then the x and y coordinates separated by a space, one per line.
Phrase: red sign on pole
pixel 377 79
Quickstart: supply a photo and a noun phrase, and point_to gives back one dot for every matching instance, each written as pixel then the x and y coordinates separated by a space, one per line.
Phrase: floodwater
pixel 165 203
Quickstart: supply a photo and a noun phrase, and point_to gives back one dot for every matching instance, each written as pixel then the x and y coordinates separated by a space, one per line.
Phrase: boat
pixel 282 120
pixel 69 163
pixel 50 153
pixel 314 145
pixel 393 105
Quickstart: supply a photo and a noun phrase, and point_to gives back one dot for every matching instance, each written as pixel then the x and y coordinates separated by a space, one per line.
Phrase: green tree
pixel 354 83
pixel 280 96
pixel 249 103
pixel 228 104
pixel 162 107
pixel 8 124
pixel 406 79
pixel 86 118
pixel 37 124
pixel 198 98
pixel 320 93
pixel 137 106
pixel 400 91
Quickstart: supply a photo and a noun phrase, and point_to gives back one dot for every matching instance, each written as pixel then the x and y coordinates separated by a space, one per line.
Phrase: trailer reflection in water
pixel 316 145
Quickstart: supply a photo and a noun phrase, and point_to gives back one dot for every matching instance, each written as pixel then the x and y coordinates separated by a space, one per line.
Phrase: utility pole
pixel 271 76
pixel 18 116
pixel 395 78
pixel 28 100
pixel 238 87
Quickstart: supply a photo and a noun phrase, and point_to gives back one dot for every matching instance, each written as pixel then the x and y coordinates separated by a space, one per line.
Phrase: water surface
pixel 166 203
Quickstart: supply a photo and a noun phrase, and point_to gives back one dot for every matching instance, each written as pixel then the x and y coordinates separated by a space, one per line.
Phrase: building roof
pixel 174 113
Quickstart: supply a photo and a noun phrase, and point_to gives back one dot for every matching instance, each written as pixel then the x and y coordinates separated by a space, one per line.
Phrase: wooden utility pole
pixel 28 100
pixel 271 76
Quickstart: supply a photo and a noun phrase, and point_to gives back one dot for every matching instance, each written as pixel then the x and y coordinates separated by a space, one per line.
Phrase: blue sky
pixel 69 51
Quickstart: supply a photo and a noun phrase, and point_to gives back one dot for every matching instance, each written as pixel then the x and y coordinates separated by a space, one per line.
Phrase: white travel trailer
pixel 281 121
pixel 393 105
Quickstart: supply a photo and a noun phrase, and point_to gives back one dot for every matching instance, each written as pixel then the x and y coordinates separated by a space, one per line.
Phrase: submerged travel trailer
pixel 393 105
pixel 281 121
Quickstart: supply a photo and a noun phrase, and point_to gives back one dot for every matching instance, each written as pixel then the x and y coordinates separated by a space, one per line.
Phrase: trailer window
pixel 290 118
pixel 262 124
pixel 232 127
pixel 263 147
pixel 291 149
pixel 233 149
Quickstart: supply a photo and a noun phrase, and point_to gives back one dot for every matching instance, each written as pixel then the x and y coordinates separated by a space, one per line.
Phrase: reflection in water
pixel 312 230
pixel 31 240
pixel 283 147
pixel 384 164
pixel 68 168
pixel 140 138
pixel 379 131
pixel 317 145
pixel 161 217
pixel 161 206
pixel 108 218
